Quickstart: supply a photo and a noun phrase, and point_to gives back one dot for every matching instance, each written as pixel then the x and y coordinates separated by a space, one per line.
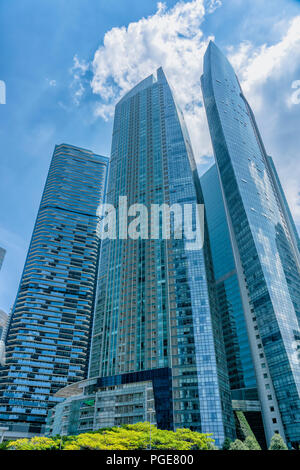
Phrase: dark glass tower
pixel 264 246
pixel 156 306
pixel 49 334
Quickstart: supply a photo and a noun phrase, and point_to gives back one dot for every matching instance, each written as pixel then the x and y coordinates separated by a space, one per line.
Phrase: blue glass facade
pixel 49 333
pixel 265 249
pixel 239 361
pixel 284 205
pixel 162 391
pixel 156 307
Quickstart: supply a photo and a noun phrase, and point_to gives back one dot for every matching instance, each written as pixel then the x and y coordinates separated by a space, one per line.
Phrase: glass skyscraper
pixel 240 365
pixel 264 246
pixel 156 313
pixel 238 352
pixel 48 338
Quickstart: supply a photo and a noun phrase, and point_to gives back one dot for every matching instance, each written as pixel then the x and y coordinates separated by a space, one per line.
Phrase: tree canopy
pixel 137 436
pixel 128 437
pixel 277 443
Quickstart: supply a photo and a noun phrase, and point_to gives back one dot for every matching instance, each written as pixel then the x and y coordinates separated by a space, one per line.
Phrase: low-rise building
pixel 89 406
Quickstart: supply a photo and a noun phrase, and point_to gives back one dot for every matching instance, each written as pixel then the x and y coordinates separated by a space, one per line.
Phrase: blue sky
pixel 66 63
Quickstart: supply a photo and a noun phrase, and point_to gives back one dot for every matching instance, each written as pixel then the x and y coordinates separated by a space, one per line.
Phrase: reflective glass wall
pixel 239 360
pixel 156 308
pixel 265 248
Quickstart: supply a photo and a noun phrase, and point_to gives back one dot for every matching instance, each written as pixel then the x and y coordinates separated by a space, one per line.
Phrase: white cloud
pixel 80 66
pixel 212 5
pixel 255 66
pixel 294 97
pixel 266 74
pixel 105 111
pixel 171 38
pixel 78 70
pixel 52 82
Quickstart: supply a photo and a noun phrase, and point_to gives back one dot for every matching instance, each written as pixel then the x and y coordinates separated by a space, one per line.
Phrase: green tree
pixel 243 428
pixel 127 437
pixel 196 439
pixel 226 443
pixel 137 436
pixel 251 443
pixel 3 445
pixel 35 443
pixel 277 443
pixel 89 441
pixel 237 445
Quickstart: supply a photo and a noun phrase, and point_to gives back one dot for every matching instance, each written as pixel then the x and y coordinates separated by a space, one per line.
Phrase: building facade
pixel 240 365
pixel 264 246
pixel 94 404
pixel 48 339
pixel 3 323
pixel 284 205
pixel 156 305
pixel 3 327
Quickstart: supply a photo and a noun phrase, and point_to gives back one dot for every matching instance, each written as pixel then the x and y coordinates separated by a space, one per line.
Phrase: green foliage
pixel 245 432
pixel 127 437
pixel 251 443
pixel 3 445
pixel 182 439
pixel 226 443
pixel 277 443
pixel 238 445
pixel 137 436
pixel 102 430
pixel 244 427
pixel 35 443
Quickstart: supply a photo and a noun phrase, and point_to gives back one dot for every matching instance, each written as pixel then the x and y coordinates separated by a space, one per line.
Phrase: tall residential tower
pixel 48 338
pixel 156 311
pixel 264 244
